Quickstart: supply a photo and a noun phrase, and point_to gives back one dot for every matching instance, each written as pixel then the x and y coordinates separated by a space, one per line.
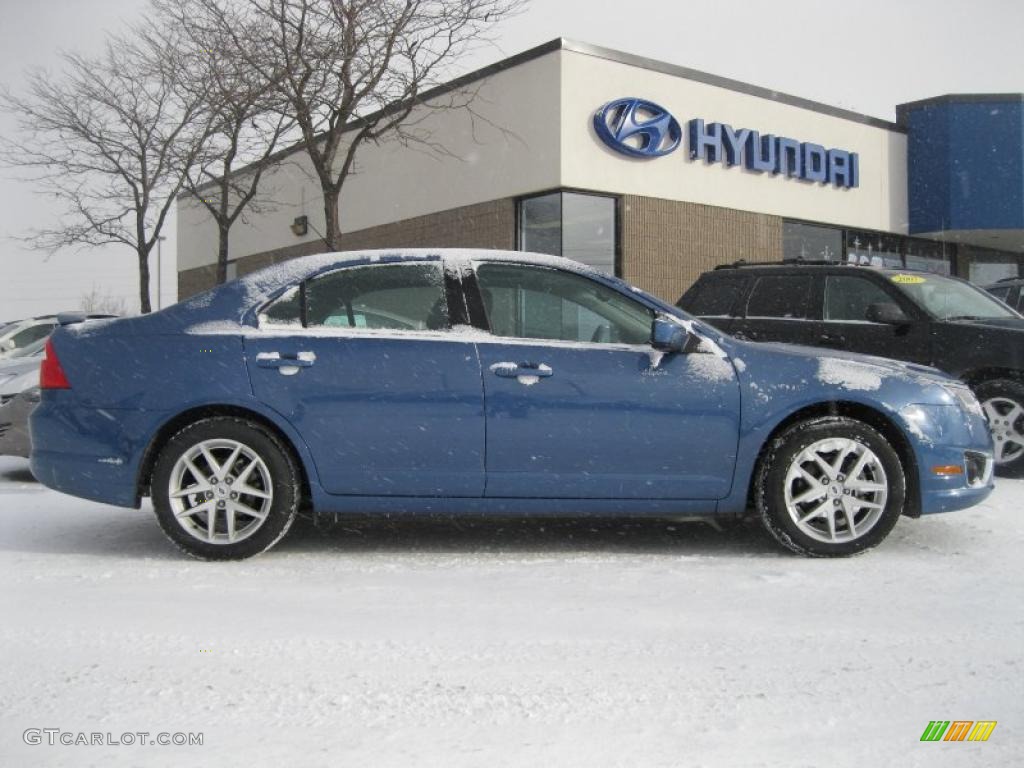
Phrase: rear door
pixel 580 406
pixel 779 307
pixel 363 362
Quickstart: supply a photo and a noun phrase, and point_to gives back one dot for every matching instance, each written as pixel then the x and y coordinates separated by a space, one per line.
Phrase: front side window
pixel 531 302
pixel 782 296
pixel 848 298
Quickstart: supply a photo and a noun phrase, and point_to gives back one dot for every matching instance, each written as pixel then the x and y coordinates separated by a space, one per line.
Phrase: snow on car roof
pixel 257 286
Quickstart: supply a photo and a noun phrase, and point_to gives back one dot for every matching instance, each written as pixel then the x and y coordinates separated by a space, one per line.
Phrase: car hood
pixel 1007 323
pixel 923 373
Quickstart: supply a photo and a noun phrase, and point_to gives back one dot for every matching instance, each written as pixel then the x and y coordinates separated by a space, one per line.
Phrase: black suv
pixel 1010 290
pixel 902 314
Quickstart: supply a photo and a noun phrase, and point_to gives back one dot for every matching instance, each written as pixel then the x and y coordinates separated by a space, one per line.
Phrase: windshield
pixel 948 299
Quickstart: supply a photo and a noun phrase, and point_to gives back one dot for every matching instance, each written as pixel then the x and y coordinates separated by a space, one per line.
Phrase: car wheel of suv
pixel 225 488
pixel 830 487
pixel 1003 403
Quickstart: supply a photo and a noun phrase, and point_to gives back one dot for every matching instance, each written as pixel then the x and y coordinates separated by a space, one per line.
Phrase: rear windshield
pixel 948 299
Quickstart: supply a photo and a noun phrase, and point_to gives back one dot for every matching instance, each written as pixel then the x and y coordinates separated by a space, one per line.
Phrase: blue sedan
pixel 467 382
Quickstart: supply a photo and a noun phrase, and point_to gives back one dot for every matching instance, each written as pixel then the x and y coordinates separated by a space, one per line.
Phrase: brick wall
pixel 666 245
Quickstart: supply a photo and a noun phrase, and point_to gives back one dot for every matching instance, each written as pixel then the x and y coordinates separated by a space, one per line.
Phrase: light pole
pixel 159 271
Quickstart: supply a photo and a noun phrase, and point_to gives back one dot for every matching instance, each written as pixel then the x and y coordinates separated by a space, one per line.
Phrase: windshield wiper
pixel 967 317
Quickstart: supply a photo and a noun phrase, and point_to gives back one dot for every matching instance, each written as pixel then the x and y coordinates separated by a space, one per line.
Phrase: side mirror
pixel 885 312
pixel 9 344
pixel 668 336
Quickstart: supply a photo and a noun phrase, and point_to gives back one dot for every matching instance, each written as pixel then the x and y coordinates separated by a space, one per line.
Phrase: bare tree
pixel 100 302
pixel 103 137
pixel 246 115
pixel 352 71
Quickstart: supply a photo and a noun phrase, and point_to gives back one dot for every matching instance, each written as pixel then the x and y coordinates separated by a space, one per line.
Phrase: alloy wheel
pixel 1006 420
pixel 220 491
pixel 836 490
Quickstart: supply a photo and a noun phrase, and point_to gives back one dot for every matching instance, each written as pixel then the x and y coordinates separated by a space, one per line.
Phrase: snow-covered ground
pixel 523 642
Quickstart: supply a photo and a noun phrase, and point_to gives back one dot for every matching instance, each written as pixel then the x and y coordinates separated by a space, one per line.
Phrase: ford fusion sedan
pixel 482 382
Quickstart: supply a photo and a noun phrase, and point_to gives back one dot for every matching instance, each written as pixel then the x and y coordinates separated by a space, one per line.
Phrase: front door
pixel 387 398
pixel 845 304
pixel 580 406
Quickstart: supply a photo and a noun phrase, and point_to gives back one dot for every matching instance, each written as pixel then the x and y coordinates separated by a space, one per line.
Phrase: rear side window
pixel 783 296
pixel 848 298
pixel 714 297
pixel 406 297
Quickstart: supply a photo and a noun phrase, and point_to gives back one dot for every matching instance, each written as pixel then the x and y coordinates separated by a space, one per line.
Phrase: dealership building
pixel 656 173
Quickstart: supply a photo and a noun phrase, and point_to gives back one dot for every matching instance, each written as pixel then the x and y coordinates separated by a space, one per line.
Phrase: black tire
pixel 284 491
pixel 771 487
pixel 994 396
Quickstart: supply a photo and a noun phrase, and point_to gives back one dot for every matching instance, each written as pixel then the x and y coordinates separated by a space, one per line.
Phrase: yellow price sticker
pixel 908 279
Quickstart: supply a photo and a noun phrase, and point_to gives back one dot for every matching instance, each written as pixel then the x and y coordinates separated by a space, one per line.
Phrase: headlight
pixel 965 397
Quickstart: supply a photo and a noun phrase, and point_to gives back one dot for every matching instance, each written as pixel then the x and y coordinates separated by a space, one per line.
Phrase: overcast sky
pixel 865 55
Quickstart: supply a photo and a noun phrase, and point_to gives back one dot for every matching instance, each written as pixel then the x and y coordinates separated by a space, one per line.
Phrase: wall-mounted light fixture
pixel 300 226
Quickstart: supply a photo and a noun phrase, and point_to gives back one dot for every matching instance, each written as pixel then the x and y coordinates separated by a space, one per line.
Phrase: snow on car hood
pixel 847 370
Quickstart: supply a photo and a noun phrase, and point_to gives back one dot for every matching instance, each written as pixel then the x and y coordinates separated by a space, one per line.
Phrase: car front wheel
pixel 1002 400
pixel 225 488
pixel 830 487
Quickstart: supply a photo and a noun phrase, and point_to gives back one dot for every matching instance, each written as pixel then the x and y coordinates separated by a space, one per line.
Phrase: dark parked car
pixel 905 315
pixel 1009 290
pixel 486 382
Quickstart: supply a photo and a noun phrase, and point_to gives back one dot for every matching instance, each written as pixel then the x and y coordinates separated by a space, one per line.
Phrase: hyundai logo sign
pixel 641 128
pixel 637 128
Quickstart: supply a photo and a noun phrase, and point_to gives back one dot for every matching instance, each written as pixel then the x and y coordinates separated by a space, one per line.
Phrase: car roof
pixel 746 266
pixel 266 283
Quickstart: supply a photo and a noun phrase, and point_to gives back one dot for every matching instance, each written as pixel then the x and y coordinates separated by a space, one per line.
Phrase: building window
pixel 988 266
pixel 874 248
pixel 809 242
pixel 576 225
pixel 929 256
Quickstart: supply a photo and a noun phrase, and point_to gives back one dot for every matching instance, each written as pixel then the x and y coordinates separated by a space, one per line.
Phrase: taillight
pixel 51 375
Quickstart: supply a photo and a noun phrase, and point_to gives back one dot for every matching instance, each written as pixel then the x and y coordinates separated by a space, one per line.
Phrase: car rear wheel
pixel 225 488
pixel 1002 400
pixel 830 487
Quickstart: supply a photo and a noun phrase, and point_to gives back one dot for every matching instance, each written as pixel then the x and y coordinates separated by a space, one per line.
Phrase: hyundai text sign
pixel 641 128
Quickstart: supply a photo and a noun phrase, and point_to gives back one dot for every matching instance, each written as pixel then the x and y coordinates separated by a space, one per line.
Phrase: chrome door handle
pixel 515 370
pixel 277 360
